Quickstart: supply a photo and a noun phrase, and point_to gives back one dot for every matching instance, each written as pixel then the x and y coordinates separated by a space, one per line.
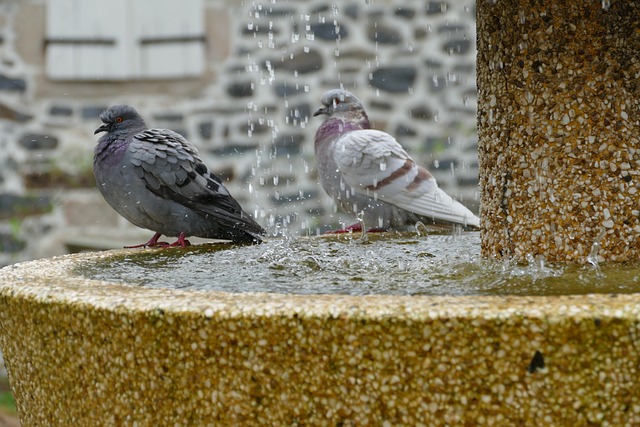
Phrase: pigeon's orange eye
pixel 118 119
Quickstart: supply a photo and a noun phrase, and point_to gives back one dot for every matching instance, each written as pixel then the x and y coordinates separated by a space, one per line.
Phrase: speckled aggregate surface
pixel 83 352
pixel 559 136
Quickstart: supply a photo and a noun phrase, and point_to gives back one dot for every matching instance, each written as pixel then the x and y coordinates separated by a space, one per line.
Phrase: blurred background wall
pixel 240 79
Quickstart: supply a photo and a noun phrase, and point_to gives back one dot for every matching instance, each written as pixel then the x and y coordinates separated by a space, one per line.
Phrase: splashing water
pixel 387 263
pixel 363 237
pixel 421 229
pixel 593 257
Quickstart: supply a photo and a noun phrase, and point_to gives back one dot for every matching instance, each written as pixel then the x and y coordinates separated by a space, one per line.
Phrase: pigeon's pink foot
pixel 376 230
pixel 350 229
pixel 151 243
pixel 356 228
pixel 182 241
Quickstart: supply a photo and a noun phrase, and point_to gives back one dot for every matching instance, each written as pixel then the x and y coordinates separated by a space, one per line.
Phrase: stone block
pixel 352 10
pixel 302 62
pixel 329 31
pixel 377 104
pixel 61 110
pixel 260 29
pixel 37 141
pixel 10 243
pixel 15 205
pixel 404 130
pixel 436 7
pixel 279 12
pixel 240 89
pixel 451 29
pixel 437 83
pixel 93 112
pixel 12 84
pixel 299 113
pixel 457 47
pixel 298 196
pixel 169 117
pixel 285 89
pixel 234 149
pixel 422 112
pixel 289 143
pixel 468 181
pixel 394 79
pixel 405 12
pixel 383 34
pixel 206 129
pixel 254 127
pixel 9 113
pixel 444 164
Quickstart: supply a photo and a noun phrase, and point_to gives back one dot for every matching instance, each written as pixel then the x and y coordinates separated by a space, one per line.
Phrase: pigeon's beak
pixel 103 128
pixel 320 111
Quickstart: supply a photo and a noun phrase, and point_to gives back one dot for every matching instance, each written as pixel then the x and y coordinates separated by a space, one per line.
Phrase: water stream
pixel 386 263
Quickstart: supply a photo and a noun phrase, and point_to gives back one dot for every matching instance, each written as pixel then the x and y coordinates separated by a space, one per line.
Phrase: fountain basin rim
pixel 53 280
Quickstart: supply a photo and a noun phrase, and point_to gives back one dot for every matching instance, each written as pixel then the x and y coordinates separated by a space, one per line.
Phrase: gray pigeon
pixel 155 179
pixel 369 174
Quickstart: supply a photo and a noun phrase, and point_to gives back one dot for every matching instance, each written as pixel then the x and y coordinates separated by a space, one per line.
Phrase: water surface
pixel 387 263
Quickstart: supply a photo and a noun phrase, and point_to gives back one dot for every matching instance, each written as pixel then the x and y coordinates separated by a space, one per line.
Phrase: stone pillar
pixel 558 111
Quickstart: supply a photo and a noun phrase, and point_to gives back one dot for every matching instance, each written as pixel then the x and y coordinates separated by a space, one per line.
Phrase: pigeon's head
pixel 340 102
pixel 120 118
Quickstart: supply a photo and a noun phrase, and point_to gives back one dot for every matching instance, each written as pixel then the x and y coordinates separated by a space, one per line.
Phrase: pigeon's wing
pixel 373 163
pixel 171 169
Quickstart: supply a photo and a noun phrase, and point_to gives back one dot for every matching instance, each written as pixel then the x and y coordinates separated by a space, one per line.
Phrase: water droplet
pixel 592 258
pixel 421 229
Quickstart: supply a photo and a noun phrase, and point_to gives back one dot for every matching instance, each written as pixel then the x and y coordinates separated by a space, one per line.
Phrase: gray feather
pixel 367 171
pixel 155 179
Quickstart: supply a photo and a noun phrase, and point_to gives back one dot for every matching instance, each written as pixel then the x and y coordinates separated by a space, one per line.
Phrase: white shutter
pixel 85 41
pixel 171 47
pixel 124 39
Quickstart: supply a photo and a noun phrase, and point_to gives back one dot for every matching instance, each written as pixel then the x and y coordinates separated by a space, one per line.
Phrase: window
pixel 124 39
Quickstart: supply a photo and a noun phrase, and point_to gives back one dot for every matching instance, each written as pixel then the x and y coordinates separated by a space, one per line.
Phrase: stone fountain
pixel 558 126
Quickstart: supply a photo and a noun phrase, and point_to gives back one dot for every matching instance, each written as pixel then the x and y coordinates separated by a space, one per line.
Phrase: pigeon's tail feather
pixel 245 235
pixel 442 208
pixel 242 229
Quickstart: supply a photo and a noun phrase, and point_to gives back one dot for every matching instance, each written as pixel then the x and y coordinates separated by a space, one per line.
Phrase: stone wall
pixel 411 62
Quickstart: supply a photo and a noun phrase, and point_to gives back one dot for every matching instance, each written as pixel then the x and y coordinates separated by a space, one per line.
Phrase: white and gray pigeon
pixel 369 174
pixel 155 179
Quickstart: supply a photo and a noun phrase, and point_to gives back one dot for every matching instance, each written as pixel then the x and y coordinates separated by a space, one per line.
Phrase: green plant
pixel 7 402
